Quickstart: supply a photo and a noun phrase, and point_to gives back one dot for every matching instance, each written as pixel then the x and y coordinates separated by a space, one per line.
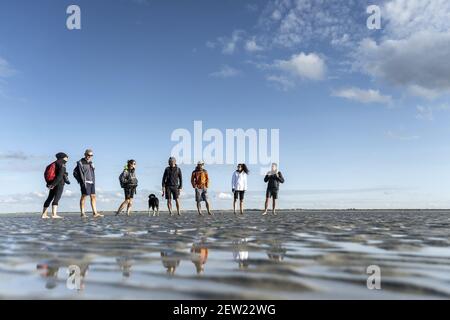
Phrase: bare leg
pixel 169 206
pixel 177 202
pixel 82 210
pixel 55 212
pixel 122 206
pixel 94 206
pixel 266 206
pixel 274 205
pixel 234 206
pixel 130 204
pixel 241 206
pixel 199 208
pixel 208 208
pixel 44 213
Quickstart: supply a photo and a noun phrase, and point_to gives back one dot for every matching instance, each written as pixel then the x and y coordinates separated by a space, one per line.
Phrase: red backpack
pixel 50 173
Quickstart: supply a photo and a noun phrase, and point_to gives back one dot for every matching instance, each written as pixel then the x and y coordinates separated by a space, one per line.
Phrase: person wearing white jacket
pixel 239 186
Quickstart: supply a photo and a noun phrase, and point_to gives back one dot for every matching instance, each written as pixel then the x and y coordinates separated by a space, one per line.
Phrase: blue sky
pixel 363 114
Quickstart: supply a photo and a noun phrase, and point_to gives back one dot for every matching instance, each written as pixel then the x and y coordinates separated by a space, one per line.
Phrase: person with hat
pixel 172 183
pixel 56 184
pixel 84 173
pixel 200 182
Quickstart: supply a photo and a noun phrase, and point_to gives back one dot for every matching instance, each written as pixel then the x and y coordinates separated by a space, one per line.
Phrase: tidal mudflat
pixel 294 255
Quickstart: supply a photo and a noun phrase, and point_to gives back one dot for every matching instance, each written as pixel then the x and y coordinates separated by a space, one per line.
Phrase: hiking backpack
pixel 50 173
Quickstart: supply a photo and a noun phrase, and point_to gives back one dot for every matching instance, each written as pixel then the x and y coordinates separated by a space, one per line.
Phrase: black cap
pixel 61 155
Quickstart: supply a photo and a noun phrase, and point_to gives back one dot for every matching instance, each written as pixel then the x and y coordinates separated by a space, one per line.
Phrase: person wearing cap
pixel 172 183
pixel 56 186
pixel 200 182
pixel 84 173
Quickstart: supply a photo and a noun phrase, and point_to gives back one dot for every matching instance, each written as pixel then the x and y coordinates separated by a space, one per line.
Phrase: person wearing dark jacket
pixel 172 183
pixel 273 179
pixel 56 186
pixel 129 183
pixel 84 173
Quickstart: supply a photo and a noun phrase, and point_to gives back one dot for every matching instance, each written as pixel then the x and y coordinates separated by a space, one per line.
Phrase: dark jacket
pixel 128 179
pixel 79 172
pixel 61 174
pixel 172 178
pixel 274 181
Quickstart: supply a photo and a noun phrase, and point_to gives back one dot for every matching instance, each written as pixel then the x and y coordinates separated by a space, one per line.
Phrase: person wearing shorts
pixel 200 182
pixel 273 179
pixel 172 183
pixel 84 173
pixel 239 186
pixel 129 183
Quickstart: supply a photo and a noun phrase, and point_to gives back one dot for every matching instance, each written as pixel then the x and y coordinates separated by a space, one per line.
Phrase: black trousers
pixel 54 195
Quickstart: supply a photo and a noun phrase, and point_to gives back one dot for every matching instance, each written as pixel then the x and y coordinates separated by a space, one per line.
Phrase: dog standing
pixel 153 203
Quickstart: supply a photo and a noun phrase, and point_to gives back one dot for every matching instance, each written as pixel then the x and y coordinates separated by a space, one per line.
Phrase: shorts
pixel 129 193
pixel 172 192
pixel 239 194
pixel 201 194
pixel 88 189
pixel 272 193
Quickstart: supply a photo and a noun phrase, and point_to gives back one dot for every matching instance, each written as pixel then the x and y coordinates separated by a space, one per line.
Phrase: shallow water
pixel 295 255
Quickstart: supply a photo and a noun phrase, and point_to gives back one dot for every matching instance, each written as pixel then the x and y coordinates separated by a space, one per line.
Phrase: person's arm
pixel 233 181
pixel 193 179
pixel 59 176
pixel 207 179
pixel 245 182
pixel 181 179
pixel 76 173
pixel 266 178
pixel 280 177
pixel 164 179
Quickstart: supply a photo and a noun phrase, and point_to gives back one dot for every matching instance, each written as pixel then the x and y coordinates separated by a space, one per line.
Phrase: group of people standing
pixel 56 177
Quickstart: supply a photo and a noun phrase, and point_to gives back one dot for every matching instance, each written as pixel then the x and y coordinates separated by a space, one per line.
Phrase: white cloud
pixel 305 66
pixel 363 96
pixel 228 44
pixel 401 136
pixel 5 69
pixel 424 113
pixel 224 196
pixel 225 72
pixel 282 82
pixel 252 46
pixel 418 63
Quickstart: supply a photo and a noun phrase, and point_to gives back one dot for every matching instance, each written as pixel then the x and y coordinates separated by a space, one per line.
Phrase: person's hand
pixel 232 190
pixel 50 187
pixel 163 193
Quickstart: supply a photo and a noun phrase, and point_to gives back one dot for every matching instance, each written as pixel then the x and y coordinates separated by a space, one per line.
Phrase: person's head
pixel 242 167
pixel 200 165
pixel 89 155
pixel 274 167
pixel 131 164
pixel 62 156
pixel 172 161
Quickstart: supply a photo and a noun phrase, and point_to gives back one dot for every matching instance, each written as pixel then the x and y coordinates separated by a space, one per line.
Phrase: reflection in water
pixel 276 252
pixel 199 255
pixel 240 253
pixel 125 264
pixel 170 260
pixel 49 271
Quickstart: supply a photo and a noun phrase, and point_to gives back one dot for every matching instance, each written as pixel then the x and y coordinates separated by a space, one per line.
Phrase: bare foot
pixel 56 217
pixel 83 216
pixel 264 213
pixel 45 216
pixel 210 213
pixel 98 215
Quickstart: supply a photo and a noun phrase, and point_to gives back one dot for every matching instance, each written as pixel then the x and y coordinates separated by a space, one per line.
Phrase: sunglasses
pixel 89 155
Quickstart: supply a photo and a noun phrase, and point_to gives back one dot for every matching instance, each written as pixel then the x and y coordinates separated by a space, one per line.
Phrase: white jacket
pixel 239 181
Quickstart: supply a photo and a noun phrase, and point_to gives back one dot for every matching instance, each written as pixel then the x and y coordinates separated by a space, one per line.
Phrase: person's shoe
pixel 264 213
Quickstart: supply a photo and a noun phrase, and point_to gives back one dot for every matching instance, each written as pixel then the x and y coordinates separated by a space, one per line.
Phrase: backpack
pixel 123 180
pixel 50 173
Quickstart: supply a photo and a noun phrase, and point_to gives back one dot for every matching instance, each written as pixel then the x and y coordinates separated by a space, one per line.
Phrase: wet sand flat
pixel 294 255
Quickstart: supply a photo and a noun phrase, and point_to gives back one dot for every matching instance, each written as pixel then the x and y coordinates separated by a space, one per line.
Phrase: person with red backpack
pixel 56 177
